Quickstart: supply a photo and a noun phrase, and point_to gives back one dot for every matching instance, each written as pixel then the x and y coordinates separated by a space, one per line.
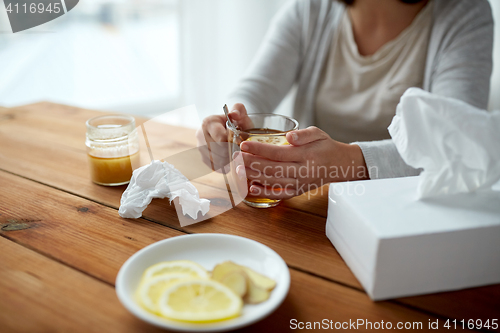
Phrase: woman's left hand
pixel 312 160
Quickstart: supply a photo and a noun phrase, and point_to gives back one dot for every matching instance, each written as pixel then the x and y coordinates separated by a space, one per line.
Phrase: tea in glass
pixel 269 129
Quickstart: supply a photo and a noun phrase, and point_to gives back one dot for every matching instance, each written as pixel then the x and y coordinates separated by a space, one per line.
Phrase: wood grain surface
pixel 50 212
pixel 91 243
pixel 39 294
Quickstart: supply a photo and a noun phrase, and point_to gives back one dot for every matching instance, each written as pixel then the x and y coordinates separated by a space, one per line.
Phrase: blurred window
pixel 120 55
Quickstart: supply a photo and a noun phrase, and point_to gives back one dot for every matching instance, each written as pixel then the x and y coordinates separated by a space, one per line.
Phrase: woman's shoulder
pixel 456 11
pixel 456 19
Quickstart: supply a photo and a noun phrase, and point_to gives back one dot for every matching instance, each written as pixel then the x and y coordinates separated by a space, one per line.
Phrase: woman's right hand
pixel 213 131
pixel 213 128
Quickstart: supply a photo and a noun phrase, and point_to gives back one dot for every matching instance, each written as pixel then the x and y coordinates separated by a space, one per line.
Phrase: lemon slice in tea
pixel 277 140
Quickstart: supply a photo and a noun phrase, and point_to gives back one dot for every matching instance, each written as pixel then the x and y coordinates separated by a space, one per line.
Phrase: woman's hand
pixel 212 136
pixel 312 160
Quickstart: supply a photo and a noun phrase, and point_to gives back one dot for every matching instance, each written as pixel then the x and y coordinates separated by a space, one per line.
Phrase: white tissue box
pixel 398 246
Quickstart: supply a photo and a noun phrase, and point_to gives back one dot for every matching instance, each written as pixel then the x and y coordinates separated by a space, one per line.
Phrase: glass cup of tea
pixel 267 128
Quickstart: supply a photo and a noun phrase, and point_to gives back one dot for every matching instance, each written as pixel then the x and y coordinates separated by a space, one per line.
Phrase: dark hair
pixel 350 2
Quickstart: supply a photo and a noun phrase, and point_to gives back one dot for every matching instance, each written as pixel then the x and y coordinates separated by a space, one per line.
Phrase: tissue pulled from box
pixel 456 144
pixel 159 180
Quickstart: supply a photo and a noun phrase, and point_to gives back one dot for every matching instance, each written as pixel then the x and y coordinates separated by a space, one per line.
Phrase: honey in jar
pixel 112 171
pixel 112 149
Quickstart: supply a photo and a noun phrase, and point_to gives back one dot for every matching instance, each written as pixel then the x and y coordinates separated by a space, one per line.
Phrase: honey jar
pixel 112 149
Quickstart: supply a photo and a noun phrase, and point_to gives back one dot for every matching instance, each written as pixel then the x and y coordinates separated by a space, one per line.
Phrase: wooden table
pixel 63 242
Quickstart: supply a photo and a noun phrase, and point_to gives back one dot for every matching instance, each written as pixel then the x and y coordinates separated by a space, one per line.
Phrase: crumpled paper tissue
pixel 456 144
pixel 159 180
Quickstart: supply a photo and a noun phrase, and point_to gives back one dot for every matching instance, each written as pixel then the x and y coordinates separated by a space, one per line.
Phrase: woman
pixel 351 61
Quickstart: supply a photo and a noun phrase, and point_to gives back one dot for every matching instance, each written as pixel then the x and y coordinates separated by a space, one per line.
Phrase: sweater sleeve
pixel 464 61
pixel 274 68
pixel 383 160
pixel 462 71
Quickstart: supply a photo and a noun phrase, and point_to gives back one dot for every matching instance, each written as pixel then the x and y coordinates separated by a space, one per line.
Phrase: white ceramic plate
pixel 208 250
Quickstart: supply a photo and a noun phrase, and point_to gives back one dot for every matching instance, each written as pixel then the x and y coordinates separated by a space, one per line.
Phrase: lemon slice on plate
pixel 177 267
pixel 149 290
pixel 199 300
pixel 277 140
